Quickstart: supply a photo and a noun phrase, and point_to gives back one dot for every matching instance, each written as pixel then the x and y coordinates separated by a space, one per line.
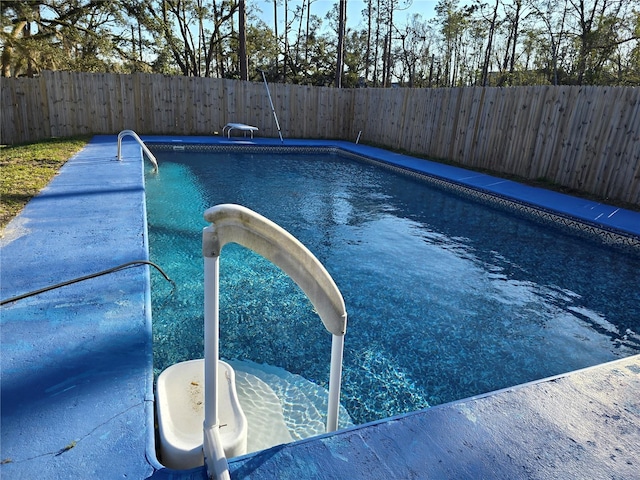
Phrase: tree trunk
pixel 297 56
pixel 367 56
pixel 275 32
pixel 286 41
pixel 340 49
pixel 7 49
pixel 389 31
pixel 306 38
pixel 487 53
pixel 242 34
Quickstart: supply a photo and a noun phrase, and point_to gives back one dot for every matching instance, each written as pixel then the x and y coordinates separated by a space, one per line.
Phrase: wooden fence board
pixel 601 135
pixel 535 105
pixel 624 165
pixel 518 134
pixel 562 141
pixel 576 140
pixel 414 124
pixel 431 121
pixel 486 118
pixel 437 143
pixel 366 108
pixel 474 119
pixel 495 129
pixel 550 128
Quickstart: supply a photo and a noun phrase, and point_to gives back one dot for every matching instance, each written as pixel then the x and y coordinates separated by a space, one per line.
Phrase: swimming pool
pixel 447 297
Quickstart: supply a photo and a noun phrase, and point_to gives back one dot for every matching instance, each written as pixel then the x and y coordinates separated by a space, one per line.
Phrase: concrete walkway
pixel 77 399
pixel 76 361
pixel 581 426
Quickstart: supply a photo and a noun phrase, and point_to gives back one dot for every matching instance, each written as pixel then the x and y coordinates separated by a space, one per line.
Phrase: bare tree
pixel 553 16
pixel 367 56
pixel 598 23
pixel 487 54
pixel 513 16
pixel 414 47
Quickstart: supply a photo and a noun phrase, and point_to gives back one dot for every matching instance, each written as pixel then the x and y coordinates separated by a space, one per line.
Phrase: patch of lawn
pixel 27 169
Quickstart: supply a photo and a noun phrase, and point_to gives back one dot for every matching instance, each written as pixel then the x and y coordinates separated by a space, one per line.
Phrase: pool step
pixel 303 403
pixel 279 407
pixel 265 421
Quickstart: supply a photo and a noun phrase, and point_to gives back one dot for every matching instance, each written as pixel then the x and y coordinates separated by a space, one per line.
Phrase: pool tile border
pixel 536 213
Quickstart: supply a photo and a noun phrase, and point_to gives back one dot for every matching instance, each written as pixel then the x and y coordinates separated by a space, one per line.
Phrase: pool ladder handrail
pixel 145 149
pixel 237 224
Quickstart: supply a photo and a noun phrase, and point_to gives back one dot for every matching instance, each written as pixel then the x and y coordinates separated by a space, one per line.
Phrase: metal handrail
pixel 146 150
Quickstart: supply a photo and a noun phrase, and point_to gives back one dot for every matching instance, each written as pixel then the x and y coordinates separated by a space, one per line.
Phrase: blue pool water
pixel 446 298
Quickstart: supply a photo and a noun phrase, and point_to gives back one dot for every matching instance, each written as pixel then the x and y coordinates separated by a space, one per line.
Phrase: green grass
pixel 27 169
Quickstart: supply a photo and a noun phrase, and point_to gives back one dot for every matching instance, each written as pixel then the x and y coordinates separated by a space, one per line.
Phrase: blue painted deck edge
pixel 77 393
pixel 77 377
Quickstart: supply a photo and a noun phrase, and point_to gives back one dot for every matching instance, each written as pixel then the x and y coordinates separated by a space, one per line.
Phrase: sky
pixel 426 8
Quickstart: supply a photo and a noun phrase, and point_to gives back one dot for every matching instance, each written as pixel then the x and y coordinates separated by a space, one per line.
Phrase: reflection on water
pixel 446 298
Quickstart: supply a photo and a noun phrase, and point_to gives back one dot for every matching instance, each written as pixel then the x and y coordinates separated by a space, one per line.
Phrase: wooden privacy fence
pixel 60 104
pixel 585 138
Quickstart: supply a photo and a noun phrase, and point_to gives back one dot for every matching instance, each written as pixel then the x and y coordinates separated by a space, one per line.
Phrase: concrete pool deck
pixel 77 393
